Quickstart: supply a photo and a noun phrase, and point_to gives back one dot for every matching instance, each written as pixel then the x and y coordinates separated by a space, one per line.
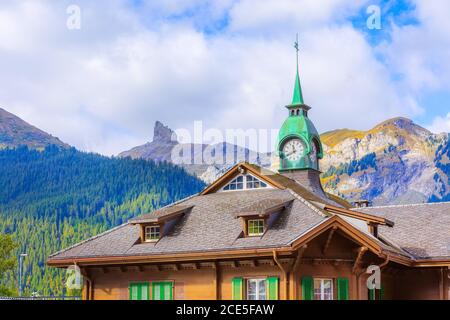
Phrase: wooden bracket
pixel 359 256
pixel 328 242
pixel 299 257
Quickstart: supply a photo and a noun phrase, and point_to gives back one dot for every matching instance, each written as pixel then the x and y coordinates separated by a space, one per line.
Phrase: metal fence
pixel 42 298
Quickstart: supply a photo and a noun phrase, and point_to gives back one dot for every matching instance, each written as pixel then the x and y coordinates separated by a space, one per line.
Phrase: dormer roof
pixel 161 215
pixel 264 208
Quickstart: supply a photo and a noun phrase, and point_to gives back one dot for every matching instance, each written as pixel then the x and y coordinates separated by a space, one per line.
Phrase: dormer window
pixel 245 182
pixel 236 184
pixel 152 233
pixel 257 218
pixel 255 227
pixel 154 226
pixel 254 183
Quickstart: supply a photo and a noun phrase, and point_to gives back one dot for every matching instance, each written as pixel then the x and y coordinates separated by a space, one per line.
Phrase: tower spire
pixel 298 95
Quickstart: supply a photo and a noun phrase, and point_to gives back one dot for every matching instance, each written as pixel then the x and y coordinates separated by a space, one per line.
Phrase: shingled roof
pixel 210 223
pixel 422 230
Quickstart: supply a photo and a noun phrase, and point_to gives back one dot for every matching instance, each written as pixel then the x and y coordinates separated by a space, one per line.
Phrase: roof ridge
pixel 307 203
pixel 404 205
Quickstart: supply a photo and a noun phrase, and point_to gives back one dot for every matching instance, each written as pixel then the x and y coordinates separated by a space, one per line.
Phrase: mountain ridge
pixel 15 132
pixel 396 161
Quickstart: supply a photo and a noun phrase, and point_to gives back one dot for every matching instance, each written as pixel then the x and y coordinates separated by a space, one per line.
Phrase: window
pixel 323 289
pixel 152 233
pixel 236 184
pixel 162 290
pixel 256 289
pixel 254 183
pixel 245 182
pixel 139 291
pixel 255 227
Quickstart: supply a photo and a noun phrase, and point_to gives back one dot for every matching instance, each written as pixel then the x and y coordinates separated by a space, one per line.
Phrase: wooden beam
pixel 299 257
pixel 359 256
pixel 328 242
pixel 217 280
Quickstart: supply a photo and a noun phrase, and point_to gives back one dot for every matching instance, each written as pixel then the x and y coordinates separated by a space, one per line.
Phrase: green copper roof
pixel 298 95
pixel 299 126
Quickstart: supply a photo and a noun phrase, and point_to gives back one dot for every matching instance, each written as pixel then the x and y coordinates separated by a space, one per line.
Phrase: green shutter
pixel 375 294
pixel 168 291
pixel 237 284
pixel 371 294
pixel 162 290
pixel 139 291
pixel 307 288
pixel 342 288
pixel 133 288
pixel 272 288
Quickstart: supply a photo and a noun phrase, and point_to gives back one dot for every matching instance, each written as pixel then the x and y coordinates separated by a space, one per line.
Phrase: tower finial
pixel 296 47
pixel 298 95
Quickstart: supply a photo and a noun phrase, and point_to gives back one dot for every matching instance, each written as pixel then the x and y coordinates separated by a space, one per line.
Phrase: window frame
pixel 234 185
pixel 150 239
pixel 248 222
pixel 258 281
pixel 322 292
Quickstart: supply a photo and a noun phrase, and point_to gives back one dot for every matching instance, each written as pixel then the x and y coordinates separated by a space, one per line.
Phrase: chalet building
pixel 257 234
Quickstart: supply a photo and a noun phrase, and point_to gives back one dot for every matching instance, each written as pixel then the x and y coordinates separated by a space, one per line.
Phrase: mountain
pixel 56 197
pixel 15 132
pixel 395 162
pixel 194 157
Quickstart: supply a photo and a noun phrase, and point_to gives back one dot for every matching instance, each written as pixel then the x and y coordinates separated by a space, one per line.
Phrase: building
pixel 259 234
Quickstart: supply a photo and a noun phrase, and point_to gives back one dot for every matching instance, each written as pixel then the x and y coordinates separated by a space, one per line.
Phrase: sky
pixel 101 81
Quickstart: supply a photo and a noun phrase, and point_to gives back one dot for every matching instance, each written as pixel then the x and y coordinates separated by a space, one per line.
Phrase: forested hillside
pixel 54 198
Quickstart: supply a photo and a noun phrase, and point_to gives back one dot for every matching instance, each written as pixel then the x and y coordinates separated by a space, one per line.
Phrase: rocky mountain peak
pixel 15 132
pixel 163 133
pixel 402 124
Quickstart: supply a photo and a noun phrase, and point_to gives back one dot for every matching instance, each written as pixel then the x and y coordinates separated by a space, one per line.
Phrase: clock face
pixel 293 149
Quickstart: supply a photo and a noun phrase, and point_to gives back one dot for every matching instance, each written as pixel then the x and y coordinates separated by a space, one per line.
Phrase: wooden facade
pixel 327 259
pixel 330 255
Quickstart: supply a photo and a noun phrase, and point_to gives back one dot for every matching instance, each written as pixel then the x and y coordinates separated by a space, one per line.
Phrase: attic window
pixel 152 233
pixel 254 183
pixel 255 227
pixel 236 184
pixel 245 182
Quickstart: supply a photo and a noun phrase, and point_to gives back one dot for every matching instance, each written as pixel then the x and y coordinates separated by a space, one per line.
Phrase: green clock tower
pixel 298 144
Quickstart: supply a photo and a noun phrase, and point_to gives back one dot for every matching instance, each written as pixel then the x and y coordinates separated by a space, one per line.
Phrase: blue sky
pixel 227 63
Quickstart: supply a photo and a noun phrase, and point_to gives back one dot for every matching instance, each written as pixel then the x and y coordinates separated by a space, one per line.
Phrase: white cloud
pixel 440 124
pixel 102 88
pixel 419 52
